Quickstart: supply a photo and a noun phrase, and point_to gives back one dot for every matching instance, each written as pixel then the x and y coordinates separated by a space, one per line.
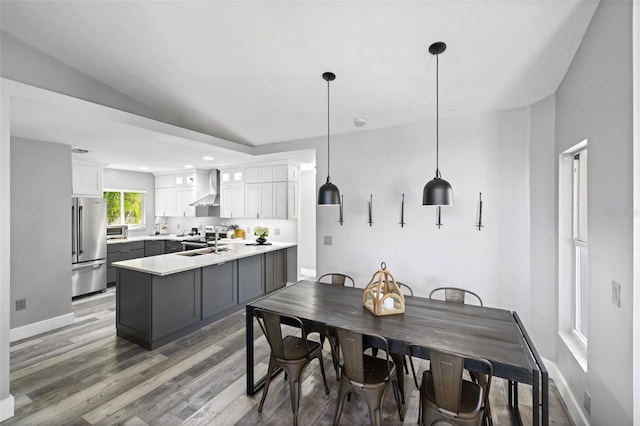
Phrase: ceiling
pixel 251 71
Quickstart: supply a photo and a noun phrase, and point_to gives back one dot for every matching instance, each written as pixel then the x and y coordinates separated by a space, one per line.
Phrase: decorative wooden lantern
pixel 382 296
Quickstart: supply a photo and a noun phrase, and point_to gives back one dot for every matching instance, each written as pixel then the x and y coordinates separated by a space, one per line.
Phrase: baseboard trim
pixel 40 327
pixel 573 407
pixel 6 408
pixel 308 272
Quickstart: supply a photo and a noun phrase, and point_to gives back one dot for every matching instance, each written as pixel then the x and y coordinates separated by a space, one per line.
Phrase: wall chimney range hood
pixel 212 199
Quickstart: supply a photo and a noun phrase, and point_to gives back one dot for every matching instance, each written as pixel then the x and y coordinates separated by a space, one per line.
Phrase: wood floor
pixel 84 374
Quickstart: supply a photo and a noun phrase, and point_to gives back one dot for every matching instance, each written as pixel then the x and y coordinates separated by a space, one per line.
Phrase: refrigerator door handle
pixel 73 232
pixel 80 233
pixel 95 264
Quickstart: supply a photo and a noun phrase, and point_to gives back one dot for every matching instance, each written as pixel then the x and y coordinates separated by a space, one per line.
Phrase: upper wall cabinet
pixel 87 180
pixel 231 176
pixel 175 191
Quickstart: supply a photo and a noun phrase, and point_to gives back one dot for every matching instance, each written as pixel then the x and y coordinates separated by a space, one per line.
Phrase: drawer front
pixel 153 248
pixel 134 245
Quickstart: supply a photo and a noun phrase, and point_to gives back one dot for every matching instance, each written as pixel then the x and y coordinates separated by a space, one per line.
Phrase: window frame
pixel 579 237
pixel 143 193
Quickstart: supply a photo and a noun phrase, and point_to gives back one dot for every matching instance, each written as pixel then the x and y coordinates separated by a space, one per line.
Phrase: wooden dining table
pixel 496 335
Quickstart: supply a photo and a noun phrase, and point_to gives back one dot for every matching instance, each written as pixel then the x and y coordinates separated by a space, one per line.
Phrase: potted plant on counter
pixel 262 233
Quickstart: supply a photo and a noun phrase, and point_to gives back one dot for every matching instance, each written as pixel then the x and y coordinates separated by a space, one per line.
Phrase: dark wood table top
pixel 484 332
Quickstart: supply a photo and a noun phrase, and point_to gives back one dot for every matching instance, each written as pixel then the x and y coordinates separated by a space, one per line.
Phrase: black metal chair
pixel 445 397
pixel 365 375
pixel 291 353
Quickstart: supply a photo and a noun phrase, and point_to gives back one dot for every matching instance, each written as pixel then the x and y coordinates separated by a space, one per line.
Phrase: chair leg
pixel 272 366
pixel 397 393
pixel 295 388
pixel 341 396
pixel 324 377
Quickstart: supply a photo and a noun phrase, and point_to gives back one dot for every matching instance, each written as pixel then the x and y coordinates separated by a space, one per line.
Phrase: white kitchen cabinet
pixel 292 200
pixel 231 176
pixel 259 200
pixel 280 173
pixel 165 202
pixel 184 197
pixel 175 191
pixel 232 203
pixel 182 180
pixel 262 174
pixel 86 180
pixel 285 200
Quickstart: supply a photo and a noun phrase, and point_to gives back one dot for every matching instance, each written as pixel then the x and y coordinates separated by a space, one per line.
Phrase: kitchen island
pixel 161 298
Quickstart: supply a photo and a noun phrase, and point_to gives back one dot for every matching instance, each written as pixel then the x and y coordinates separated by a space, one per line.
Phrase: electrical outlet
pixel 178 225
pixel 21 304
pixel 276 231
pixel 328 240
pixel 615 293
pixel 587 402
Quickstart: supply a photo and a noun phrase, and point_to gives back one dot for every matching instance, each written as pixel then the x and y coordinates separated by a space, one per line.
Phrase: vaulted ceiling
pixel 250 71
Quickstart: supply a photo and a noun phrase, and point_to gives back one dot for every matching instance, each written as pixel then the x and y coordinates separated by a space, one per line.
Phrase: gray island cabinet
pixel 162 298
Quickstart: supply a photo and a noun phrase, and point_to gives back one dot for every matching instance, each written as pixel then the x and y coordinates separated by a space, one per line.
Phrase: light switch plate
pixel 21 304
pixel 587 402
pixel 328 240
pixel 615 293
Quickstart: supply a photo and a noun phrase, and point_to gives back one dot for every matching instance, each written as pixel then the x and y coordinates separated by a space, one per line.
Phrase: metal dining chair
pixel 291 353
pixel 445 397
pixel 365 375
pixel 454 294
pixel 336 278
pixel 457 295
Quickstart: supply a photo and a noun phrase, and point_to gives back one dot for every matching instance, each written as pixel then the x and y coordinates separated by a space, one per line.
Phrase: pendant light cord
pixel 328 136
pixel 437 120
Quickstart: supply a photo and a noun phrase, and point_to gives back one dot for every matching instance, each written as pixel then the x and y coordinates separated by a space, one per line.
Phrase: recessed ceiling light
pixel 207 158
pixel 144 168
pixel 79 151
pixel 188 166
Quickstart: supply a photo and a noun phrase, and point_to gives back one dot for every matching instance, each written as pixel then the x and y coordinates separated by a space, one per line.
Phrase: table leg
pixel 249 344
pixel 535 405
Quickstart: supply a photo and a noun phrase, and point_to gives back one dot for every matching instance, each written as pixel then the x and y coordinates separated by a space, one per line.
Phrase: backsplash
pixel 287 230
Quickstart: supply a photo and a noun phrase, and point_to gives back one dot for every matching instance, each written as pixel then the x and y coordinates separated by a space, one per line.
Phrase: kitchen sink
pixel 208 250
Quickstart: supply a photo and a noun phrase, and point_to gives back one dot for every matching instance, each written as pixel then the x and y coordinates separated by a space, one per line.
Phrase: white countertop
pixel 167 264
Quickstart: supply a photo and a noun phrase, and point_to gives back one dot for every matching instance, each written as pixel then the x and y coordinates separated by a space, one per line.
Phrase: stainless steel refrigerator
pixel 88 245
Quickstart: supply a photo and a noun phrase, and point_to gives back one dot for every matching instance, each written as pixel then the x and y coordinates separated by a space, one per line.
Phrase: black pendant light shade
pixel 437 192
pixel 328 194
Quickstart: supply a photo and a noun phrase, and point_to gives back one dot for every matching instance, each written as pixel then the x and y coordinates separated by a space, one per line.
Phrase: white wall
pixel 6 399
pixel 307 226
pixel 543 191
pixel 41 225
pixel 636 216
pixel 487 153
pixel 135 181
pixel 594 102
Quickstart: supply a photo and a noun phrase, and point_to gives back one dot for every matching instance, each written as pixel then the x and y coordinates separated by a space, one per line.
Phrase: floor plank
pixel 83 374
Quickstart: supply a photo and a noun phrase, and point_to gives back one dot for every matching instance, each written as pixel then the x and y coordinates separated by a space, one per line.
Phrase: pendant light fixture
pixel 328 194
pixel 437 192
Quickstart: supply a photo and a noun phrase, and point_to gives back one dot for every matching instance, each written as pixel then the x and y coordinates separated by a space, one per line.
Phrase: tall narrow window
pixel 580 253
pixel 125 207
